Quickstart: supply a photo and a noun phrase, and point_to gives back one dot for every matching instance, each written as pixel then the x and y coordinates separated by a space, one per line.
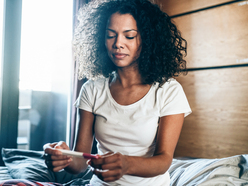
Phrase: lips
pixel 119 55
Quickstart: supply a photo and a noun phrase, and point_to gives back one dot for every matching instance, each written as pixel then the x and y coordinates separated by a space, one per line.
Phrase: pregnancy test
pixel 79 154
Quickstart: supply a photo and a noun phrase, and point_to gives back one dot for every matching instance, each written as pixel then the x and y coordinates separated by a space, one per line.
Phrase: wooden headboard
pixel 217 81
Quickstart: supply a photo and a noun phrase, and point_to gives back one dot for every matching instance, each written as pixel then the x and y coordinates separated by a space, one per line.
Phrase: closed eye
pixel 130 37
pixel 109 37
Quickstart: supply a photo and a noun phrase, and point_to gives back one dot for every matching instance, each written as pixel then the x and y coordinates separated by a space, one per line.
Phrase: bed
pixel 29 165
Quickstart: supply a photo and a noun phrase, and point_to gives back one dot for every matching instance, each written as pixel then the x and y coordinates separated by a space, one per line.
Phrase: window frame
pixel 9 89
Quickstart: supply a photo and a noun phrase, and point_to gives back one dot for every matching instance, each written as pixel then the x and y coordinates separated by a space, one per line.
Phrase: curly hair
pixel 162 51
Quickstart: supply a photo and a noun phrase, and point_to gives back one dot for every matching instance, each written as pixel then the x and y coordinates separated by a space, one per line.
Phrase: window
pixel 1 34
pixel 45 73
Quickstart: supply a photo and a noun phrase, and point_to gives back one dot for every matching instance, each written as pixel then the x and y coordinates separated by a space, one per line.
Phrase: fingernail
pixel 88 162
pixel 92 169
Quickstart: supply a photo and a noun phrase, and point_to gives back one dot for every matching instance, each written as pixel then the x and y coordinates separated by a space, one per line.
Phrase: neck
pixel 127 77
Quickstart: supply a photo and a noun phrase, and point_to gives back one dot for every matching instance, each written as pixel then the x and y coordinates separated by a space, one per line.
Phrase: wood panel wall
pixel 218 125
pixel 175 7
pixel 216 36
pixel 217 83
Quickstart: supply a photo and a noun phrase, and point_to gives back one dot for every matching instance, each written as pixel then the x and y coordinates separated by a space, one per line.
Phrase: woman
pixel 134 108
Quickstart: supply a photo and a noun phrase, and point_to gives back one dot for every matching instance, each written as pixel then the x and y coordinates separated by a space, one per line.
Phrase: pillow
pixel 30 165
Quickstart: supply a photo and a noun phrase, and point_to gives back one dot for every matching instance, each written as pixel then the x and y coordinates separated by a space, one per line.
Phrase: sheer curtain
pixel 76 84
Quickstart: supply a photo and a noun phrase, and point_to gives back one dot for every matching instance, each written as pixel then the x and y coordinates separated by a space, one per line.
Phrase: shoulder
pixel 89 92
pixel 170 90
pixel 171 85
pixel 95 87
pixel 172 99
pixel 95 84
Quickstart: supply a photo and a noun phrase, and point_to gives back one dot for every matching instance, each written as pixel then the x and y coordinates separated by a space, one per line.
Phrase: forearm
pixel 148 167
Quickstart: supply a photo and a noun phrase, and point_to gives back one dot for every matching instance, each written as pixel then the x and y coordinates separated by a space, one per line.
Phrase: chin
pixel 126 65
pixel 120 63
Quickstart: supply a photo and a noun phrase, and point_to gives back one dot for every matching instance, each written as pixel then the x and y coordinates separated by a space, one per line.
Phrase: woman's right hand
pixel 54 158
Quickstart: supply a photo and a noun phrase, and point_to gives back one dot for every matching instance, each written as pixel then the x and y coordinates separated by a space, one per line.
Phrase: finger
pixel 49 148
pixel 111 158
pixel 108 175
pixel 60 157
pixel 96 163
pixel 46 156
pixel 98 173
pixel 49 145
pixel 60 163
pixel 102 158
pixel 56 157
pixel 57 169
pixel 95 166
pixel 88 162
pixel 112 175
pixel 52 148
pixel 112 166
pixel 61 145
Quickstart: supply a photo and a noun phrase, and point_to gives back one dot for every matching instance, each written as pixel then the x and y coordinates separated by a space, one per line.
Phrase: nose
pixel 118 42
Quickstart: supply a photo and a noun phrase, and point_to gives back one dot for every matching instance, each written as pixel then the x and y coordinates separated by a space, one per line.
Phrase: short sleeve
pixel 86 97
pixel 174 100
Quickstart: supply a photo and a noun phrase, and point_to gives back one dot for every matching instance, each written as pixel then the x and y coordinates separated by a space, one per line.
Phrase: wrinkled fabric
pixel 23 182
pixel 207 172
pixel 201 172
pixel 30 165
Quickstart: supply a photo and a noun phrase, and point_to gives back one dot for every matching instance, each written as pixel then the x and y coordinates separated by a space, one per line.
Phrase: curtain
pixel 76 84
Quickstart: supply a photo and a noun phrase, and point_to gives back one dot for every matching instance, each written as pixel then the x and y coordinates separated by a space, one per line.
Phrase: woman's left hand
pixel 110 167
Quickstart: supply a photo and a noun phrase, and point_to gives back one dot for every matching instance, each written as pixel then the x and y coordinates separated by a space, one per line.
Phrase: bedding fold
pixel 206 172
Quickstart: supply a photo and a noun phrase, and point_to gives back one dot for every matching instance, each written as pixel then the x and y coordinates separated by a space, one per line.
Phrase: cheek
pixel 137 51
pixel 136 47
pixel 108 45
pixel 109 48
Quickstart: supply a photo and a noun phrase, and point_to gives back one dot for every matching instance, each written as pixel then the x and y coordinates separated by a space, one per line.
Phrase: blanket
pixel 233 171
pixel 30 165
pixel 210 172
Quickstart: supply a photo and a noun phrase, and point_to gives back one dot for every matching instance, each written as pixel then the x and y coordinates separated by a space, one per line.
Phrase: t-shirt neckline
pixel 125 106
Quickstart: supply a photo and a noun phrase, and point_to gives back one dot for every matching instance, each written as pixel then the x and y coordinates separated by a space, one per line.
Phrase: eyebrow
pixel 124 31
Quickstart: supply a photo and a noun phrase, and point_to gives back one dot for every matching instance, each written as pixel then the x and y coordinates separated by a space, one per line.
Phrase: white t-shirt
pixel 131 129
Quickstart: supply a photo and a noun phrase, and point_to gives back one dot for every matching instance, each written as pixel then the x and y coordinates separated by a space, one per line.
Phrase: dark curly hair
pixel 163 48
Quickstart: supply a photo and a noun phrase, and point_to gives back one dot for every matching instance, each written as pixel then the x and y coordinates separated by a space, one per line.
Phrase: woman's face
pixel 122 40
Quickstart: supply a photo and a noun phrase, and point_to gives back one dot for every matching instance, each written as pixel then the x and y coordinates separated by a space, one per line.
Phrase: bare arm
pixel 167 138
pixel 118 164
pixel 83 143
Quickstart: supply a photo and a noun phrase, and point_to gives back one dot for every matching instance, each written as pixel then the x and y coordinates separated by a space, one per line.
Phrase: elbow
pixel 165 164
pixel 164 169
